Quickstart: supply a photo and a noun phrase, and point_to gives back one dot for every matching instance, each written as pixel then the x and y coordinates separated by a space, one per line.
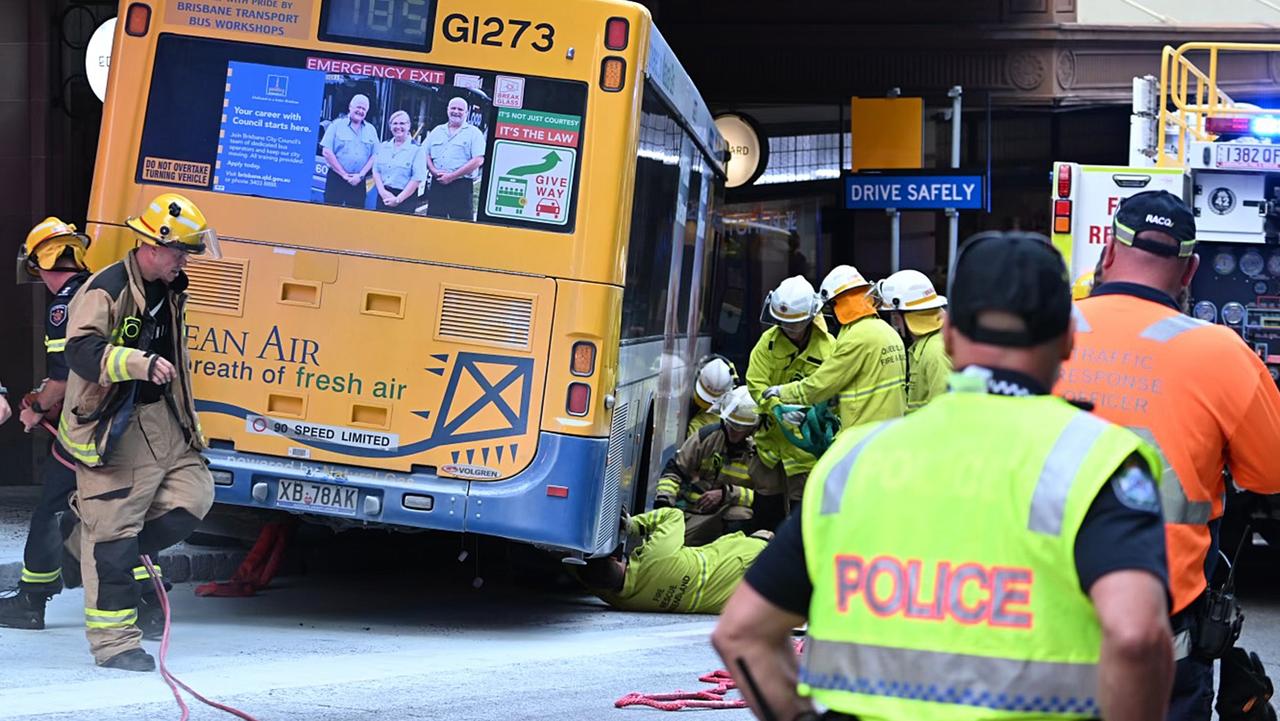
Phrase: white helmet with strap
pixel 908 290
pixel 793 301
pixel 738 408
pixel 840 279
pixel 714 380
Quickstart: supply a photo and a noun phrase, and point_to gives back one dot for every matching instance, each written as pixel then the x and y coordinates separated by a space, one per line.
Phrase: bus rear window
pixel 390 136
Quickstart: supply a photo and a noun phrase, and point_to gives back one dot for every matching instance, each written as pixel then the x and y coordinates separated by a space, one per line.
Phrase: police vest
pixel 944 581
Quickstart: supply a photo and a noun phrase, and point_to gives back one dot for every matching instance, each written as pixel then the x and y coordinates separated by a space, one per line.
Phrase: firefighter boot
pixel 24 609
pixel 135 659
pixel 150 617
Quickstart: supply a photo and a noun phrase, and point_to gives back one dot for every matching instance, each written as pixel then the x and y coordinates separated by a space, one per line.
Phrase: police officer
pixel 53 254
pixel 710 476
pixel 130 421
pixel 1194 389
pixel 716 377
pixel 792 349
pixel 866 372
pixel 997 554
pixel 916 310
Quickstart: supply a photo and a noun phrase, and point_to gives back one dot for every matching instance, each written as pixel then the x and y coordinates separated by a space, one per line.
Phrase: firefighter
pixel 866 372
pixel 53 254
pixel 916 311
pixel 716 376
pixel 710 476
pixel 791 350
pixel 656 571
pixel 1194 389
pixel 997 555
pixel 130 421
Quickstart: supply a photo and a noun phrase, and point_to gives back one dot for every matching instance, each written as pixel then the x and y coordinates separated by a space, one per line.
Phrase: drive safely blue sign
pixel 869 191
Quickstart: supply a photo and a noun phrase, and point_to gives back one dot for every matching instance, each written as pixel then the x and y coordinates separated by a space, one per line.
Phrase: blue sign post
pixel 923 191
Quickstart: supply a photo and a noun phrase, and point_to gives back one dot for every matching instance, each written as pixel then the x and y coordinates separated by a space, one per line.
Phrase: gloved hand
pixel 1245 690
pixel 771 392
pixel 795 418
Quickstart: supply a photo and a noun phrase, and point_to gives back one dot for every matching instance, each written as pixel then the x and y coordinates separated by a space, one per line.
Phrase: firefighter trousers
pixel 42 555
pixel 151 493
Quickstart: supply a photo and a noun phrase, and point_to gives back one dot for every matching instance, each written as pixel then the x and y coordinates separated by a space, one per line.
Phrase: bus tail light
pixel 1062 216
pixel 617 33
pixel 613 74
pixel 138 20
pixel 579 401
pixel 1064 181
pixel 584 358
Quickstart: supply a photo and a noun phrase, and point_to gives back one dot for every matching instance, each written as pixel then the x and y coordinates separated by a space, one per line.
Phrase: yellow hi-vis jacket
pixel 775 360
pixel 665 575
pixel 865 375
pixel 105 328
pixel 928 367
pixel 958 598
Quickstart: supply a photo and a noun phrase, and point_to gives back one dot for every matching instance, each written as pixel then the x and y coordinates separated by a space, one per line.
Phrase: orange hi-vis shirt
pixel 1196 390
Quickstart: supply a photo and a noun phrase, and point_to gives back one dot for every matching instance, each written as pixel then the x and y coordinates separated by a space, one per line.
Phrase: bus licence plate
pixel 307 496
pixel 1248 157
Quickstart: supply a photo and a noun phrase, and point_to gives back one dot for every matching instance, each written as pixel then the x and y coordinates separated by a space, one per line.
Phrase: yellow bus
pixel 465 250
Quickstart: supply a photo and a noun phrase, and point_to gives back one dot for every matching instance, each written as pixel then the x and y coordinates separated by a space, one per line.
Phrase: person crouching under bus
pixel 916 311
pixel 716 377
pixel 130 421
pixel 654 570
pixel 709 477
pixel 792 349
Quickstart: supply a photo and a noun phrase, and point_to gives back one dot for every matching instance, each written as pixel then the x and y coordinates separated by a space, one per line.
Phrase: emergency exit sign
pixel 923 191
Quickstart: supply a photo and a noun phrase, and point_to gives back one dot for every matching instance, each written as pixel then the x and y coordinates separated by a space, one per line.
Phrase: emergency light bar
pixel 1263 126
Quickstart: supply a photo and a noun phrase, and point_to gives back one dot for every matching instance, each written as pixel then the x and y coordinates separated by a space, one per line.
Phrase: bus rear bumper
pixel 559 500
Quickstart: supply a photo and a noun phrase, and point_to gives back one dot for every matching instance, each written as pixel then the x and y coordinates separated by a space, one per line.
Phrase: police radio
pixel 1219 623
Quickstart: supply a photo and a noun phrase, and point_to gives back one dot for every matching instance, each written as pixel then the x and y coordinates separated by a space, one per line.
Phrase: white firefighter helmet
pixel 793 301
pixel 714 380
pixel 739 409
pixel 908 290
pixel 840 279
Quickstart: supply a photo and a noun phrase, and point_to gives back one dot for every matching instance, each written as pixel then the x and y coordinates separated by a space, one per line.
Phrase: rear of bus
pixel 385 367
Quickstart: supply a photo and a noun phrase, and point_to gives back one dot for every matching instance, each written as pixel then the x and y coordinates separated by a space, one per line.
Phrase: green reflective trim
pixel 29 576
pixel 889 385
pixel 124 618
pixel 1061 466
pixel 55 346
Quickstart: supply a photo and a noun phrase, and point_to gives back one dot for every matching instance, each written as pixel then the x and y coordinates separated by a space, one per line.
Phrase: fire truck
pixel 1222 157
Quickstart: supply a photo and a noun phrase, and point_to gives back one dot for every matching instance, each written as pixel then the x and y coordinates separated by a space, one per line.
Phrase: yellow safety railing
pixel 1189 95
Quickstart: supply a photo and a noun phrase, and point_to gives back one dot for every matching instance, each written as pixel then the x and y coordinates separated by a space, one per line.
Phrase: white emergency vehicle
pixel 1222 157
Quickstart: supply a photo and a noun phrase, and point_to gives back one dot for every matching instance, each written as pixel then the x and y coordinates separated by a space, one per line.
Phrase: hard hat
pixel 737 408
pixel 793 301
pixel 1082 286
pixel 908 290
pixel 46 243
pixel 840 279
pixel 173 221
pixel 714 380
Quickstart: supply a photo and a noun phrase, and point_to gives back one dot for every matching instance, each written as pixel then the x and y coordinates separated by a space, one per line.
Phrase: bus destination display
pixel 394 23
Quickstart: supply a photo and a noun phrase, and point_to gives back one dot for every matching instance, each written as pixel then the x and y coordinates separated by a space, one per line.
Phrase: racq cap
pixel 1017 273
pixel 1156 210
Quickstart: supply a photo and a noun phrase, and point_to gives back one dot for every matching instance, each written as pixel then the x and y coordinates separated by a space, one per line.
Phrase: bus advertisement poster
pixel 267 141
pixel 531 182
